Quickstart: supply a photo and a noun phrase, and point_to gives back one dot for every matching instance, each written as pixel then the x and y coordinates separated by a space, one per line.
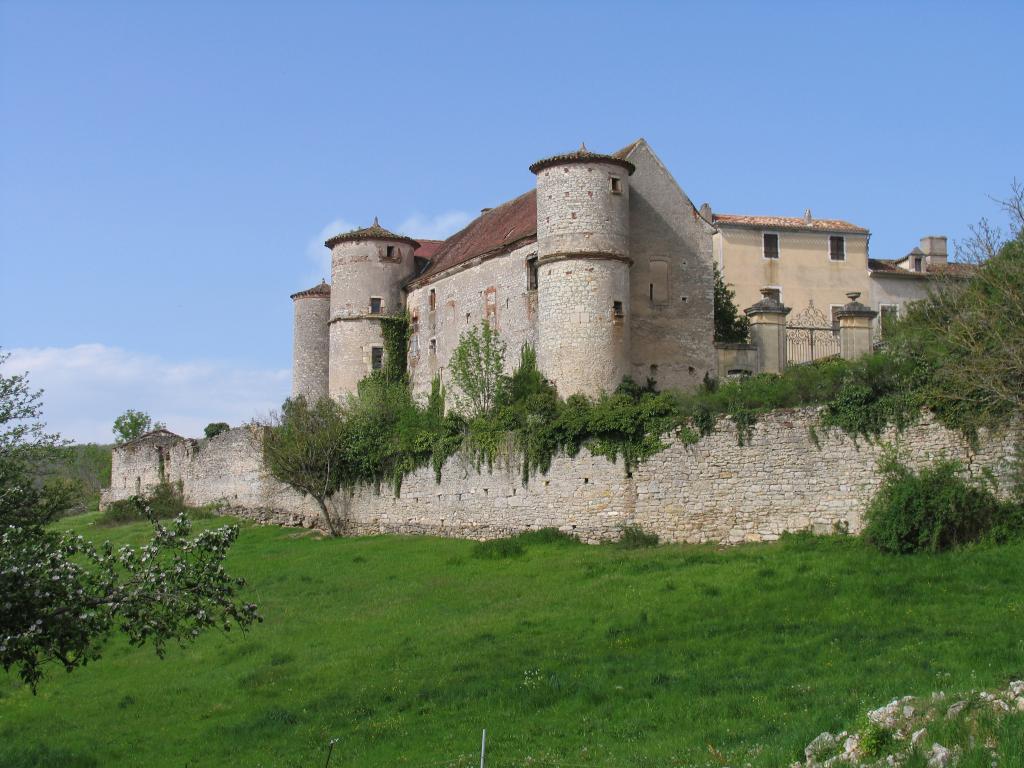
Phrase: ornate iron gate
pixel 810 336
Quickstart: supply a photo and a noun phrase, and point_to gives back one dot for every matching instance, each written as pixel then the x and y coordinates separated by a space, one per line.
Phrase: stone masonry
pixel 713 491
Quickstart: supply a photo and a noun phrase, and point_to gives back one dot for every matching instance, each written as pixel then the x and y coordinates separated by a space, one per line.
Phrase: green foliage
pixel 477 366
pixel 875 740
pixel 216 428
pixel 730 324
pixel 547 536
pixel 396 331
pixel 163 502
pixel 935 509
pixel 64 596
pixel 133 424
pixel 635 537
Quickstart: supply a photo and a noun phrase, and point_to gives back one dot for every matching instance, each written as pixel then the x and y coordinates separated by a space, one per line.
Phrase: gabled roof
pixel 499 229
pixel 373 232
pixel 787 222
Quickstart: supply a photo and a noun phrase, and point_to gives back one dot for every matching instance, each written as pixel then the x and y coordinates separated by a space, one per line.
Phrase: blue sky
pixel 168 171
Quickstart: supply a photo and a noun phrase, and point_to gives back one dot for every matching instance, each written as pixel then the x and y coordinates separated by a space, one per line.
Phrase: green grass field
pixel 405 648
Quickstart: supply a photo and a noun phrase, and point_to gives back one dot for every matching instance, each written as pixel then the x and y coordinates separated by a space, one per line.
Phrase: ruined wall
pixel 713 491
pixel 496 289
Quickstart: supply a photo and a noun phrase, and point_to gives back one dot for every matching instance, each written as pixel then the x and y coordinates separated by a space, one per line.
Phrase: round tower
pixel 583 270
pixel 310 342
pixel 368 267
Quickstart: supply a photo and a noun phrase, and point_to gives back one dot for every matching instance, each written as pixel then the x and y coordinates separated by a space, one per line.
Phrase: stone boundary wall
pixel 714 491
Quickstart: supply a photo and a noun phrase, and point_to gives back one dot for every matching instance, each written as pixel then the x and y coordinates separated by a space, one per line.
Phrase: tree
pixel 307 447
pixel 477 367
pixel 730 325
pixel 61 597
pixel 968 335
pixel 215 428
pixel 133 424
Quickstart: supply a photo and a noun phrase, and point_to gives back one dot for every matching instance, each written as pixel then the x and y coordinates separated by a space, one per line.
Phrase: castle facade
pixel 605 268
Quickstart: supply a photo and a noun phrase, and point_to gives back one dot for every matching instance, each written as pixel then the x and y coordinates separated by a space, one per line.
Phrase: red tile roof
pixel 788 222
pixel 949 269
pixel 427 248
pixel 373 232
pixel 497 230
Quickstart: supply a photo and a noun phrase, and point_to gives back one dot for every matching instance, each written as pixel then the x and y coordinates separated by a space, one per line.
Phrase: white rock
pixel 917 736
pixel 955 710
pixel 938 756
pixel 821 743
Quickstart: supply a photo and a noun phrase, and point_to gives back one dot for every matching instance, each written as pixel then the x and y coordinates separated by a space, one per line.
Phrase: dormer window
pixel 616 185
pixel 375 305
pixel 837 248
pixel 770 245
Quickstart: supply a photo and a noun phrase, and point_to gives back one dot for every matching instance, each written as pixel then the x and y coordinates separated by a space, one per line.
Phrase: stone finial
pixel 807 216
pixel 853 295
pixel 375 222
pixel 583 147
pixel 768 305
pixel 706 212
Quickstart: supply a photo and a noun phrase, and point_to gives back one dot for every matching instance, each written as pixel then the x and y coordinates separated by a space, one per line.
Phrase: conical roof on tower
pixel 321 289
pixel 582 155
pixel 373 232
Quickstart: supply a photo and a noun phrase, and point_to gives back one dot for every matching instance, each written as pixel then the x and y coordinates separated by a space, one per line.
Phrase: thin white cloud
pixel 87 386
pixel 437 227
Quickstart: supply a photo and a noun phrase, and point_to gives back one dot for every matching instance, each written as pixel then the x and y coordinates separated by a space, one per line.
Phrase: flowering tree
pixel 61 597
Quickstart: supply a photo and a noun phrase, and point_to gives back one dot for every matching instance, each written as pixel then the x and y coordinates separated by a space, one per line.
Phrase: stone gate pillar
pixel 768 331
pixel 855 328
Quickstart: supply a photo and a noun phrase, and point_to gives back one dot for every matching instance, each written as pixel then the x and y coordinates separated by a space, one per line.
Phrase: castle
pixel 605 268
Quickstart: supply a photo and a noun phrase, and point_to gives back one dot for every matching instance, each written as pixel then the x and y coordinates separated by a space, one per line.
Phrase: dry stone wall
pixel 714 491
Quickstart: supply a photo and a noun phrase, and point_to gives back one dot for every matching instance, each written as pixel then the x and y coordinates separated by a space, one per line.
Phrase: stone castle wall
pixel 714 491
pixel 310 347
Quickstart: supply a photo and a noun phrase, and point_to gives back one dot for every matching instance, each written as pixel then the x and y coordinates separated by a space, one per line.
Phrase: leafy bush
pixel 499 549
pixel 215 428
pixel 635 537
pixel 164 502
pixel 935 510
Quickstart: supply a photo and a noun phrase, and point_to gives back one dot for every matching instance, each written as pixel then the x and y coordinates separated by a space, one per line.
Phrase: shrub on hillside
pixel 164 502
pixel 499 549
pixel 635 537
pixel 935 509
pixel 215 428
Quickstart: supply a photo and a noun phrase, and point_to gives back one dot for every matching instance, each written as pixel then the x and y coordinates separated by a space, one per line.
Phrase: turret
pixel 583 270
pixel 310 342
pixel 368 267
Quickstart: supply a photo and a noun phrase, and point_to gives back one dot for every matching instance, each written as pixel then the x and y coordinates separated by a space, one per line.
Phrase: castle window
pixel 376 358
pixel 617 310
pixel 414 345
pixel 659 282
pixel 616 185
pixel 918 263
pixel 837 248
pixel 770 245
pixel 531 273
pixel 433 346
pixel 433 300
pixel 391 251
pixel 375 305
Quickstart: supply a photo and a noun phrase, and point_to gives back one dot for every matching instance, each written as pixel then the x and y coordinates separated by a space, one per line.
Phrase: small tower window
pixel 837 248
pixel 616 185
pixel 433 346
pixel 391 251
pixel 617 309
pixel 376 358
pixel 375 305
pixel 433 300
pixel 531 273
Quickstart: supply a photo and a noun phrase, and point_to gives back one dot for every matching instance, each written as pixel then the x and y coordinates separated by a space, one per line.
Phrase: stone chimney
pixel 706 212
pixel 807 216
pixel 935 251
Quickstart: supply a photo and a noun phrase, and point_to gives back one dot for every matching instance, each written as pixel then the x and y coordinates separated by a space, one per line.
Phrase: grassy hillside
pixel 404 648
